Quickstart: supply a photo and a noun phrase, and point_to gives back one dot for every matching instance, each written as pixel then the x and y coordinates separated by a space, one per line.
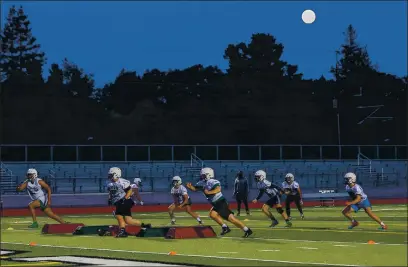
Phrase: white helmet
pixel 260 175
pixel 350 178
pixel 138 181
pixel 289 178
pixel 32 173
pixel 114 173
pixel 206 174
pixel 176 181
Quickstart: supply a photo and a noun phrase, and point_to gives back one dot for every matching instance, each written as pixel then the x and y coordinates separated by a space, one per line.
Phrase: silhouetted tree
pixel 19 50
pixel 354 59
pixel 80 84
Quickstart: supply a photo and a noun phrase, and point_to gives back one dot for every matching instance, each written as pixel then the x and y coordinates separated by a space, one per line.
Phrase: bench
pixel 326 197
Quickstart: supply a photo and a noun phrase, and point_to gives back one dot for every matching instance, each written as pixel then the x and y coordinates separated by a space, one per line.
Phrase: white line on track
pixel 186 255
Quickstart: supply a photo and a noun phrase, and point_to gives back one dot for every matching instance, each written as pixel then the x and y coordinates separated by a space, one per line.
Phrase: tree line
pixel 259 99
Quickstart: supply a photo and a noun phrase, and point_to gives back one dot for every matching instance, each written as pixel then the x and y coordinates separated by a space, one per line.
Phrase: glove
pixel 301 202
pixel 141 203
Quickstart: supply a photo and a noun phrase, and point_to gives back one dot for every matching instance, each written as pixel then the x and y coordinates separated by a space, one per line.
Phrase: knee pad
pixel 279 210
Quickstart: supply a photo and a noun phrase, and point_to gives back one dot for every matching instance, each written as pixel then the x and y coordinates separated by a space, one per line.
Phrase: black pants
pixel 242 199
pixel 289 200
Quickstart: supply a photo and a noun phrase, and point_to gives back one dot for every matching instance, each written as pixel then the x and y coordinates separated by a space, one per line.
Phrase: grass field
pixel 321 239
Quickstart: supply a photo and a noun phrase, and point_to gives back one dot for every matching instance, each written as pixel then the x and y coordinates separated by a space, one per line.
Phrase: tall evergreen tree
pixel 79 83
pixel 354 57
pixel 19 49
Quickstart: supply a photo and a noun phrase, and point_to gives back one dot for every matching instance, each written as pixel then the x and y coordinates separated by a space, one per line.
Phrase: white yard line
pixel 311 241
pixel 306 248
pixel 269 250
pixel 185 255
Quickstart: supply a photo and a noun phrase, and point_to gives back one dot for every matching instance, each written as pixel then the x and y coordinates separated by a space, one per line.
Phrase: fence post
pixel 239 152
pixel 77 153
pixel 259 152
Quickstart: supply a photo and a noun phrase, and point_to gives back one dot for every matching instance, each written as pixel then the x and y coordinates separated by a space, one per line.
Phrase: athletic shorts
pixel 124 207
pixel 189 203
pixel 362 205
pixel 221 207
pixel 43 202
pixel 273 201
pixel 292 198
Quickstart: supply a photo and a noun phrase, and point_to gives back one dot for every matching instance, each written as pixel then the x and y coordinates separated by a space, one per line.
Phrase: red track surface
pixel 162 208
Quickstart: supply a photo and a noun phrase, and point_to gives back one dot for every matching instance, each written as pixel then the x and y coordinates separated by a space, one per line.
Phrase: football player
pixel 181 200
pixel 273 191
pixel 137 182
pixel 359 201
pixel 35 187
pixel 120 193
pixel 220 210
pixel 293 194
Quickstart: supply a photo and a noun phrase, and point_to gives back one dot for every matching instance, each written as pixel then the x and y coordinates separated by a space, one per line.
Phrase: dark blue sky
pixel 105 36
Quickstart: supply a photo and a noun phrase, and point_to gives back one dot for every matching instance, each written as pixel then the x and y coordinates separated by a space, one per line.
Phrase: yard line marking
pixel 330 230
pixel 269 250
pixel 310 241
pixel 344 246
pixel 307 248
pixel 188 255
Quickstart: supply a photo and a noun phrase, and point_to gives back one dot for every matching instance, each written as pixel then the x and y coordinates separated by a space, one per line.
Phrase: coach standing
pixel 241 191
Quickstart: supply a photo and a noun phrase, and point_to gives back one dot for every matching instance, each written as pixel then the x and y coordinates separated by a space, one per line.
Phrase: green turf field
pixel 321 239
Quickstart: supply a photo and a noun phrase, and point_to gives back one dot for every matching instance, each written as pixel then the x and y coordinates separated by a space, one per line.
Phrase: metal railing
pixel 196 160
pixel 145 153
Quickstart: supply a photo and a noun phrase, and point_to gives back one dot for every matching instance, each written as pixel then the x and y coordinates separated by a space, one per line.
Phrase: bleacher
pixel 90 177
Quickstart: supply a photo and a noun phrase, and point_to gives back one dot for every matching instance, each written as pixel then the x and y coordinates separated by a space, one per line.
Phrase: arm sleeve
pixel 235 187
pixel 260 194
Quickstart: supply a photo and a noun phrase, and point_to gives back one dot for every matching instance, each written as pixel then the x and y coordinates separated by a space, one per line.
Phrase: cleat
pixel 274 223
pixel 33 225
pixel 247 233
pixel 147 225
pixel 248 213
pixel 225 231
pixel 383 227
pixel 238 213
pixel 302 216
pixel 288 224
pixel 172 222
pixel 122 234
pixel 200 223
pixel 353 224
pixel 289 218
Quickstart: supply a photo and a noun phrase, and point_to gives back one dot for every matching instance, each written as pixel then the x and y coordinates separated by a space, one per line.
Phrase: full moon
pixel 308 16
